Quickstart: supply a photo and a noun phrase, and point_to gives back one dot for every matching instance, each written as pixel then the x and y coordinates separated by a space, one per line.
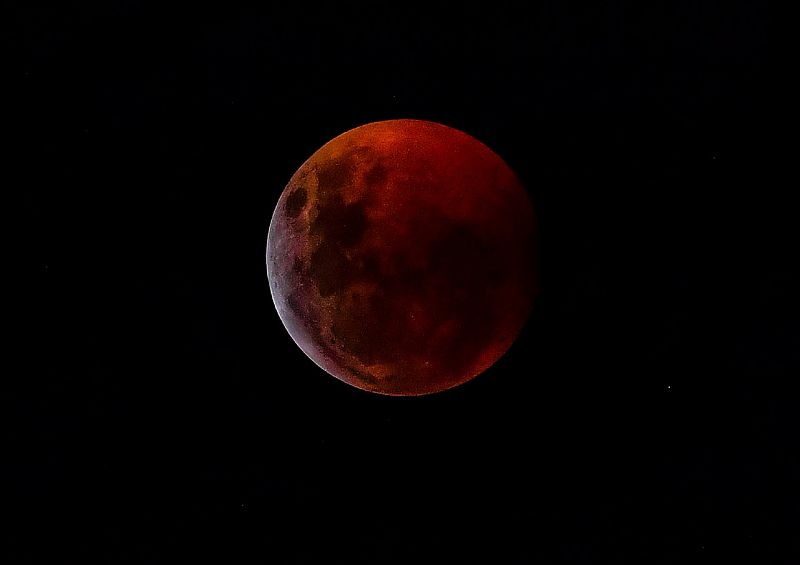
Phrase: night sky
pixel 161 414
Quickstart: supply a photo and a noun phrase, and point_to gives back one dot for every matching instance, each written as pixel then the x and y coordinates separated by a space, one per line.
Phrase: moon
pixel 402 257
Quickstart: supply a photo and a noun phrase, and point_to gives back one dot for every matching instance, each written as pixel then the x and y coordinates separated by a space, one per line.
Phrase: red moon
pixel 401 257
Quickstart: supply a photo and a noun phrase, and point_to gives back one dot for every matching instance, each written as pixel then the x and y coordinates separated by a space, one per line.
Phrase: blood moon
pixel 401 257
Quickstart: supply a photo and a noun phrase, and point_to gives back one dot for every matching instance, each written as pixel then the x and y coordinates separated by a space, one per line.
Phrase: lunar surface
pixel 401 257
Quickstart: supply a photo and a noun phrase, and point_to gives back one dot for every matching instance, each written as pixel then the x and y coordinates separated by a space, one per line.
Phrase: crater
pixel 296 201
pixel 329 269
pixel 377 175
pixel 341 223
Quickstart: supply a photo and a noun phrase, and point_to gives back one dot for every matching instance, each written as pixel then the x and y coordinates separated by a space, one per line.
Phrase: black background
pixel 161 414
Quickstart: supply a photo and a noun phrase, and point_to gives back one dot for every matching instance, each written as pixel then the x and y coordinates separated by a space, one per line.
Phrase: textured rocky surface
pixel 402 257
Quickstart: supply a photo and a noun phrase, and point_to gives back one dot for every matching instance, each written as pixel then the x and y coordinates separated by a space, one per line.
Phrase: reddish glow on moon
pixel 401 257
